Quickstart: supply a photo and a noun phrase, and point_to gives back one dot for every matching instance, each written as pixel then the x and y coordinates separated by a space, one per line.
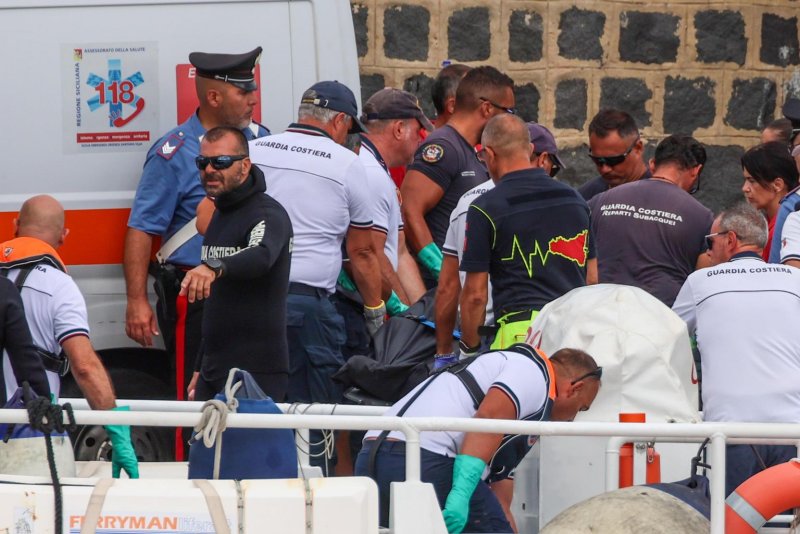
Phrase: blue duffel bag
pixel 241 453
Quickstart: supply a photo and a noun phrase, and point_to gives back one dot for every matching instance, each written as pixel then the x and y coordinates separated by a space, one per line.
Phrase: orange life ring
pixel 761 497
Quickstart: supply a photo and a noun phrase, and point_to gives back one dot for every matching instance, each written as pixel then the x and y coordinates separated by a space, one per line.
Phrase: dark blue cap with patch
pixel 235 69
pixel 336 96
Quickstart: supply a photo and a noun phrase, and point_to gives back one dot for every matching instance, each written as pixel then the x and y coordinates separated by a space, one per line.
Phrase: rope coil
pixel 213 421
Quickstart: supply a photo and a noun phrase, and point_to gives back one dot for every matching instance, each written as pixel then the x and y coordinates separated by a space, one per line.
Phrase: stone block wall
pixel 716 69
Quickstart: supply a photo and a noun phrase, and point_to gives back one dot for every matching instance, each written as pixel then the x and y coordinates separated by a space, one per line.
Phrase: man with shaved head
pixel 166 201
pixel 530 233
pixel 56 314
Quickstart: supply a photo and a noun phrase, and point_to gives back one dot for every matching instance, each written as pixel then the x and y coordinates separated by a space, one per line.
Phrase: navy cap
pixel 791 110
pixel 336 96
pixel 391 103
pixel 235 69
pixel 543 141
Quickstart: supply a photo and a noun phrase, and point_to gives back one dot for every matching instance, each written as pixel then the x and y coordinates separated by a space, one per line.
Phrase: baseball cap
pixel 543 141
pixel 336 96
pixel 235 69
pixel 791 110
pixel 391 103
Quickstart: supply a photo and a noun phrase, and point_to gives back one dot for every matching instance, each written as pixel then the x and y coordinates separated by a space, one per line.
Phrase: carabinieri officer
pixel 165 204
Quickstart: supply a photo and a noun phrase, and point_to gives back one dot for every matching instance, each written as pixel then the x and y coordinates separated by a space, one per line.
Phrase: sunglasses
pixel 217 162
pixel 710 238
pixel 512 111
pixel 596 373
pixel 613 161
pixel 554 166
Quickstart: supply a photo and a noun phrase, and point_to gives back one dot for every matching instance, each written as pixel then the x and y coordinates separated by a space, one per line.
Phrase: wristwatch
pixel 216 265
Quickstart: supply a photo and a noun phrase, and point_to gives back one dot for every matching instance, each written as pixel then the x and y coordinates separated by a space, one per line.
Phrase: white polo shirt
pixel 790 238
pixel 744 313
pixel 386 216
pixel 454 241
pixel 524 380
pixel 323 187
pixel 55 311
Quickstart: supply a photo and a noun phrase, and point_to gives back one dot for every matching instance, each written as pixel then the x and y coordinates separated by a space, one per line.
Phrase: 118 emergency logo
pixel 116 93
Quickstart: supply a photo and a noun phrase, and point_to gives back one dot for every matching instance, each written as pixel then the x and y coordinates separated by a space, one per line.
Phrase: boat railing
pixel 348 417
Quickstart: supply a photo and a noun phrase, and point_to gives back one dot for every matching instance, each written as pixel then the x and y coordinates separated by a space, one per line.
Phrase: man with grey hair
pixel 323 187
pixel 743 313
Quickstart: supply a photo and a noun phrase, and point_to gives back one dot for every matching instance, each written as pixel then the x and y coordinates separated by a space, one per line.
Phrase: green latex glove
pixel 122 454
pixel 431 257
pixel 346 282
pixel 394 305
pixel 467 472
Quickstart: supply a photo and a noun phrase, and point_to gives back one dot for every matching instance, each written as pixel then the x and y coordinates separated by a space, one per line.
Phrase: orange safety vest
pixel 22 251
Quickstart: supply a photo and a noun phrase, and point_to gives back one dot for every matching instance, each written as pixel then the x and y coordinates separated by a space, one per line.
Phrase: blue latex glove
pixel 122 454
pixel 467 472
pixel 431 257
pixel 440 360
pixel 394 305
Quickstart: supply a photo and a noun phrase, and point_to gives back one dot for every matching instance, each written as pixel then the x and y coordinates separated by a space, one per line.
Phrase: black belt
pixel 56 364
pixel 385 445
pixel 296 288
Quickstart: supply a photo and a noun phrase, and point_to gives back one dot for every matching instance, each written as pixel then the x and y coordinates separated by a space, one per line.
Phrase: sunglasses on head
pixel 613 161
pixel 596 373
pixel 217 162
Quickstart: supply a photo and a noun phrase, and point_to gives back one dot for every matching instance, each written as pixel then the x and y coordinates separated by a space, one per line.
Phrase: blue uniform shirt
pixel 170 189
pixel 789 204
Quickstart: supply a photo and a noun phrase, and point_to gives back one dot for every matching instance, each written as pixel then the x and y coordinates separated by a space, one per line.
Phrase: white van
pixel 88 86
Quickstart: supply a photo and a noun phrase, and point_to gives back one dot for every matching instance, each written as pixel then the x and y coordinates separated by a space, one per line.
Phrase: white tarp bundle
pixel 642 345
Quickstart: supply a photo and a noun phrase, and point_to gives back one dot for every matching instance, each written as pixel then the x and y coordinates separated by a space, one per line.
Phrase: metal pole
pixel 413 455
pixel 718 483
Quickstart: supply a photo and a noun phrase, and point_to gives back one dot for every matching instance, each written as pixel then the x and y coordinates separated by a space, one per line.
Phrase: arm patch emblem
pixel 432 153
pixel 170 146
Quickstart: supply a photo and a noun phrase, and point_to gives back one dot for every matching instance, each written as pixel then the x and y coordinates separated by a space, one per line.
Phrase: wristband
pixel 373 308
pixel 467 350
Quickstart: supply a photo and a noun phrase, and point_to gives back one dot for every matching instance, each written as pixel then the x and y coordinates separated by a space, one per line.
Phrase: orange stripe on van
pixel 96 237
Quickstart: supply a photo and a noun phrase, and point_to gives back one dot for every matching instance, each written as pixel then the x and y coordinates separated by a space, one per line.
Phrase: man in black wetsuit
pixel 246 255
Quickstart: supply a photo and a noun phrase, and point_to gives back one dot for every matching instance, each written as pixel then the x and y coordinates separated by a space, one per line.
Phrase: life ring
pixel 761 497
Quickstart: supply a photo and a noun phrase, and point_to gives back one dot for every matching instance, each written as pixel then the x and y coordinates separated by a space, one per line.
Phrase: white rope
pixel 213 420
pixel 328 439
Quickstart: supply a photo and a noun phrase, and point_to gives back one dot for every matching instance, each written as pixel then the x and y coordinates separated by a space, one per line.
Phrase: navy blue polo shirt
pixel 532 235
pixel 451 163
